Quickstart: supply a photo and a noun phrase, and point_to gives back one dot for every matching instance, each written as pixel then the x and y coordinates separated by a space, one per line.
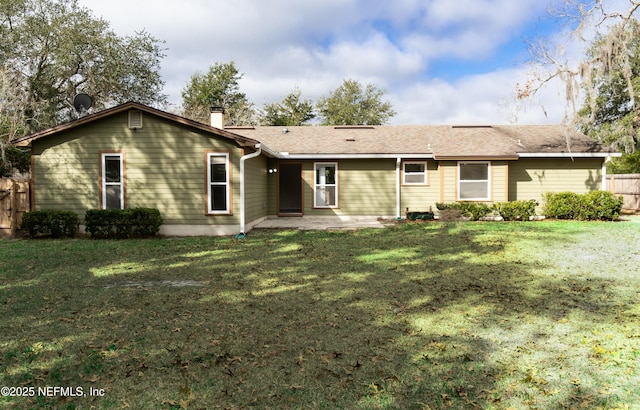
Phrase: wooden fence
pixel 14 202
pixel 627 185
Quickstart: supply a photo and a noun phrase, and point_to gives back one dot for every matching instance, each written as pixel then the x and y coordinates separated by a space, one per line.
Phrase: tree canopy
pixel 51 50
pixel 611 112
pixel 606 78
pixel 56 49
pixel 218 87
pixel 291 111
pixel 353 104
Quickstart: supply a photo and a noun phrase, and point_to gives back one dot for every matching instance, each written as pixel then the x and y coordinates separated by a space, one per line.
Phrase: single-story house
pixel 210 180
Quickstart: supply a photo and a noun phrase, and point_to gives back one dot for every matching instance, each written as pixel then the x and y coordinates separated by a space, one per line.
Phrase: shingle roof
pixel 441 141
pixel 437 141
pixel 241 140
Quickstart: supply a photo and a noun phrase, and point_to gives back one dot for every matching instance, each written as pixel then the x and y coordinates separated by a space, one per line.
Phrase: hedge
pixel 472 210
pixel 50 223
pixel 595 205
pixel 516 210
pixel 123 223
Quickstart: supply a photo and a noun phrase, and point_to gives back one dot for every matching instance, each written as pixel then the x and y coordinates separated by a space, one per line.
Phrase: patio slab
pixel 321 223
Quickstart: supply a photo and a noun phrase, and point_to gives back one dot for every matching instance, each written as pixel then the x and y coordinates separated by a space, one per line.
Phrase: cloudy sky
pixel 441 61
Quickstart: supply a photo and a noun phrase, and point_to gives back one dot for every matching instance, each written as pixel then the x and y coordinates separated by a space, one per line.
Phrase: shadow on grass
pixel 438 315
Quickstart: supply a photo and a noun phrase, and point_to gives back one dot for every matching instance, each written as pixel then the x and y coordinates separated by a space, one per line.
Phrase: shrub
pixel 123 223
pixel 595 205
pixel 562 205
pixel 601 206
pixel 472 210
pixel 441 206
pixel 49 222
pixel 516 210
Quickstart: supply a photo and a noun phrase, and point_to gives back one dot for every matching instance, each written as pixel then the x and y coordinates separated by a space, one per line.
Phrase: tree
pixel 607 74
pixel 351 104
pixel 12 108
pixel 55 49
pixel 291 111
pixel 611 113
pixel 218 87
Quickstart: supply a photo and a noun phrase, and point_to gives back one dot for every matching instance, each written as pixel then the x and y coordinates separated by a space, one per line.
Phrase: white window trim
pixel 424 173
pixel 105 184
pixel 227 184
pixel 488 180
pixel 316 185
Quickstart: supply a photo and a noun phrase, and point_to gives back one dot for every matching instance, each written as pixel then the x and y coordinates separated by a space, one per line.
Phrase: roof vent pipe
pixel 217 117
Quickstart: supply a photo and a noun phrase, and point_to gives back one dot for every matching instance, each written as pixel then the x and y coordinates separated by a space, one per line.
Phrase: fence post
pixel 612 184
pixel 13 203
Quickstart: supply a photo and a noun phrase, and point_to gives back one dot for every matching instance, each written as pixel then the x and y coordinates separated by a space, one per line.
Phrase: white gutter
pixel 569 154
pixel 242 189
pixel 283 155
pixel 398 176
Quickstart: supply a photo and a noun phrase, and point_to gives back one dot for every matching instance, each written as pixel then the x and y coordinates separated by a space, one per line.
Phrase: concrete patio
pixel 323 222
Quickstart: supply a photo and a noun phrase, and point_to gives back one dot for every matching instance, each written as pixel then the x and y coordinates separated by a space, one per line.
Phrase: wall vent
pixel 135 119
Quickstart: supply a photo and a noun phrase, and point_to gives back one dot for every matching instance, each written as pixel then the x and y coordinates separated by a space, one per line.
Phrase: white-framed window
pixel 414 173
pixel 112 180
pixel 218 183
pixel 473 181
pixel 326 185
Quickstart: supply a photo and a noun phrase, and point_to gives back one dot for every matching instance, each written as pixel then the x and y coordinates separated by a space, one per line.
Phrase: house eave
pixel 26 140
pixel 476 157
pixel 285 155
pixel 569 154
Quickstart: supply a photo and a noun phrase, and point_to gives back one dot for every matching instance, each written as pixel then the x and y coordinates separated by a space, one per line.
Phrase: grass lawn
pixel 541 315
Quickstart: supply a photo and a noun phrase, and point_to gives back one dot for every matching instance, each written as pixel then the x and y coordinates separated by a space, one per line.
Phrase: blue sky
pixel 441 61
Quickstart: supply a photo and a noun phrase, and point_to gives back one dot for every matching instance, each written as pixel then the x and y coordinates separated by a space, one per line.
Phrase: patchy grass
pixel 425 316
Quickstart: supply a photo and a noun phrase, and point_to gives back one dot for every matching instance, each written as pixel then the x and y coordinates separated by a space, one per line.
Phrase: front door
pixel 290 189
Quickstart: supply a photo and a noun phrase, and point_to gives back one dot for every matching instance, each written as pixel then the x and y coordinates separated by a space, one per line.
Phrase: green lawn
pixel 540 315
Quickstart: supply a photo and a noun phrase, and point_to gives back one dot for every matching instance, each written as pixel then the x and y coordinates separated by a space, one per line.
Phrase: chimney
pixel 217 117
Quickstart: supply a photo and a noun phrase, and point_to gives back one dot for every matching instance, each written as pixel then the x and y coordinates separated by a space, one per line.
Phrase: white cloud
pixel 314 45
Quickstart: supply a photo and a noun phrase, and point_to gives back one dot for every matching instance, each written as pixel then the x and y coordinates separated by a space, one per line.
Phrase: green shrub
pixel 562 205
pixel 472 210
pixel 441 206
pixel 600 206
pixel 50 223
pixel 595 205
pixel 123 223
pixel 516 210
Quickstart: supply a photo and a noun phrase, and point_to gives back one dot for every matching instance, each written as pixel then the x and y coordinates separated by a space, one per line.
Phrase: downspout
pixel 398 163
pixel 604 172
pixel 243 215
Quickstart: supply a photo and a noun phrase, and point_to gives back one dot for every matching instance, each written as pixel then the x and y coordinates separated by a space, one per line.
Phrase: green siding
pixel 365 187
pixel 164 168
pixel 530 178
pixel 422 197
pixel 257 188
pixel 449 181
pixel 499 174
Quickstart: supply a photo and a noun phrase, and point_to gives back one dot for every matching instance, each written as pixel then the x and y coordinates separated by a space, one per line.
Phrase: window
pixel 218 184
pixel 414 173
pixel 473 184
pixel 112 180
pixel 326 185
